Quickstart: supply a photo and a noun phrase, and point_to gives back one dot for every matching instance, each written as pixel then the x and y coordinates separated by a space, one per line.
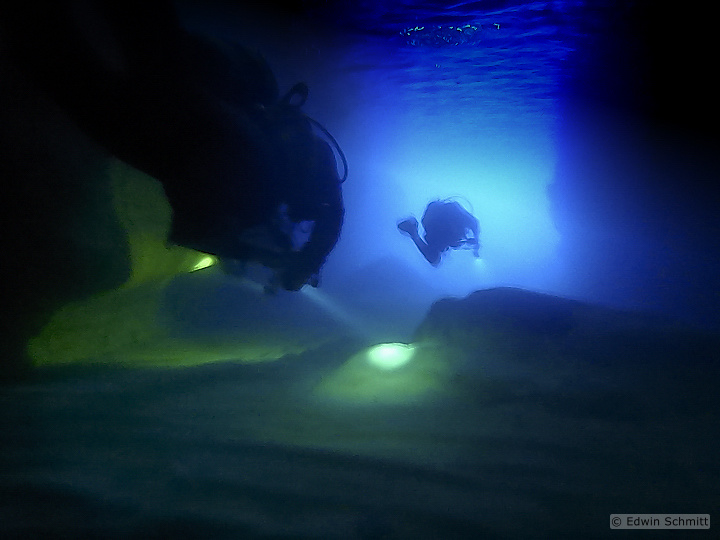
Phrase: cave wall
pixel 635 196
pixel 62 239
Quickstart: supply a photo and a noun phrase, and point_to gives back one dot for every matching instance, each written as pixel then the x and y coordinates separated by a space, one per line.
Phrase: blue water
pixel 522 415
pixel 530 119
pixel 473 119
pixel 542 119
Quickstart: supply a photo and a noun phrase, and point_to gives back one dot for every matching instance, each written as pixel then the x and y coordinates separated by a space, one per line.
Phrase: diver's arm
pixel 474 227
pixel 316 197
pixel 325 235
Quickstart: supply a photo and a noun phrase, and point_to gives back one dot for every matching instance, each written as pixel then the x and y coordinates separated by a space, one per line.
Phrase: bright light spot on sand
pixel 390 355
pixel 391 377
pixel 204 262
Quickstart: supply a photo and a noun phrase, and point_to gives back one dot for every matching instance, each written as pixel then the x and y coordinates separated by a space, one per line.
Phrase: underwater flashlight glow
pixel 390 355
pixel 204 262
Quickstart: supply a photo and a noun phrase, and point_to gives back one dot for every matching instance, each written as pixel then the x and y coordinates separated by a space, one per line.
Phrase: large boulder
pixel 569 346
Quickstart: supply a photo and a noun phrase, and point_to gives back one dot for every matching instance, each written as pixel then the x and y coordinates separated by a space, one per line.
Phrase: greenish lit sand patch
pixel 120 327
pixel 134 325
pixel 425 371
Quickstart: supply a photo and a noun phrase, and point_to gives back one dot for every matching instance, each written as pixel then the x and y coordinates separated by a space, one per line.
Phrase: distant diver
pixel 447 225
pixel 243 168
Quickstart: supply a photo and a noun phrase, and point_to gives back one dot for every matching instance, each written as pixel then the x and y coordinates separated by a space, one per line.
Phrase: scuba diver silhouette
pixel 447 225
pixel 242 167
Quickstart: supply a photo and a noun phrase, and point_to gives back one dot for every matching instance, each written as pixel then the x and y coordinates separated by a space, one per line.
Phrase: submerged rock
pixel 559 344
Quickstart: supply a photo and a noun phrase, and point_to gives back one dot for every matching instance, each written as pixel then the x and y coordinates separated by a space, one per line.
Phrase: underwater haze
pixel 568 373
pixel 579 133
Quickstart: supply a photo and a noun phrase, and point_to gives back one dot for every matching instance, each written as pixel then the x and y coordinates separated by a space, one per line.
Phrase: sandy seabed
pixel 533 429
